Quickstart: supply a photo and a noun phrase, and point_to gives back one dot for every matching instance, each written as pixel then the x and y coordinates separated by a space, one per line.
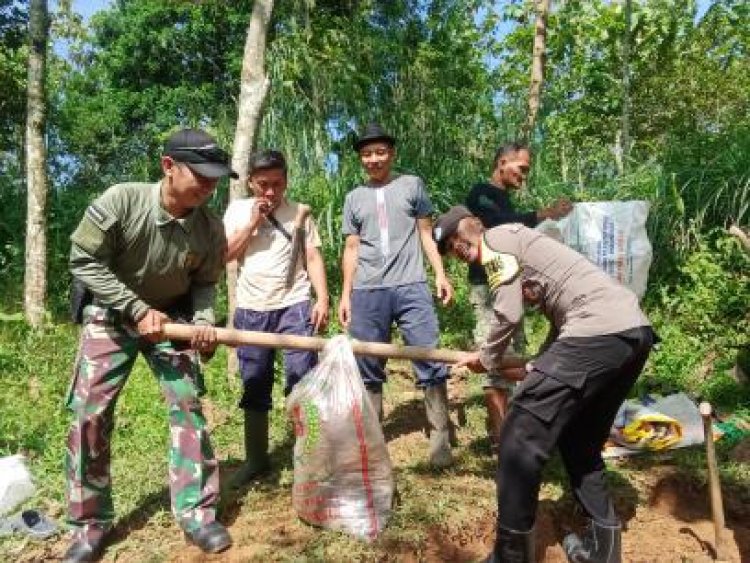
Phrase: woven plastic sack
pixel 612 234
pixel 342 472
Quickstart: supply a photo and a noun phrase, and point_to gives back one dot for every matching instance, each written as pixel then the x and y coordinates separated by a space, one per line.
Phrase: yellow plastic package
pixel 645 429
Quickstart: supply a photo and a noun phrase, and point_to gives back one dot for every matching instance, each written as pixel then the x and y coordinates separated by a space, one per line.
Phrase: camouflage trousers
pixel 108 350
pixel 481 302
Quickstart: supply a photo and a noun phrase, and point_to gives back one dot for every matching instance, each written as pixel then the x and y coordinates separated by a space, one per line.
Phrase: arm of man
pixel 559 209
pixel 205 278
pixel 348 267
pixel 497 210
pixel 443 286
pixel 203 294
pixel 94 245
pixel 93 248
pixel 508 309
pixel 317 272
pixel 240 230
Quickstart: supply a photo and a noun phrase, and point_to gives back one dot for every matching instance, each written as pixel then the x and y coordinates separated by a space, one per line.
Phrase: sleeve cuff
pixel 202 321
pixel 485 359
pixel 137 310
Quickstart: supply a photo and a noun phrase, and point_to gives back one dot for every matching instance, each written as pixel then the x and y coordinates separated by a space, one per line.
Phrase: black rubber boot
pixel 376 398
pixel 597 544
pixel 257 462
pixel 513 547
pixel 436 406
pixel 211 538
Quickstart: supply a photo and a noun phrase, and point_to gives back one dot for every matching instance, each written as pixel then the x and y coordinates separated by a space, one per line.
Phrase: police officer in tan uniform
pixel 598 344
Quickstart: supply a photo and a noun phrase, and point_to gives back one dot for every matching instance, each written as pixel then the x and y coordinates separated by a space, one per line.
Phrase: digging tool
pixel 234 337
pixel 298 243
pixel 714 487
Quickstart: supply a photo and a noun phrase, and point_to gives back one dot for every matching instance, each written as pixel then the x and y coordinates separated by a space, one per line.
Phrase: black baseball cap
pixel 373 133
pixel 446 225
pixel 198 151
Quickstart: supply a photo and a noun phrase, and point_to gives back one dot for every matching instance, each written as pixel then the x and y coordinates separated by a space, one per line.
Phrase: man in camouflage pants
pixel 147 253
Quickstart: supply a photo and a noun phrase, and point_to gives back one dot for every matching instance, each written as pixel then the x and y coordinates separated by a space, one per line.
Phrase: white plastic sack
pixel 612 234
pixel 342 472
pixel 15 483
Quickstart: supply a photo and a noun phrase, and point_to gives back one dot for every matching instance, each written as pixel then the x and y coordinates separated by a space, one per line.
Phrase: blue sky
pixel 88 7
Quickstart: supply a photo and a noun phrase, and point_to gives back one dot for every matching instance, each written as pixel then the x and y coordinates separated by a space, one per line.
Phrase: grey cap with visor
pixel 447 224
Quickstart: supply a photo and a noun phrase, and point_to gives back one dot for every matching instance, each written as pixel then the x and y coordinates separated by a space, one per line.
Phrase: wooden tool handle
pixel 234 337
pixel 302 212
pixel 714 486
pixel 298 244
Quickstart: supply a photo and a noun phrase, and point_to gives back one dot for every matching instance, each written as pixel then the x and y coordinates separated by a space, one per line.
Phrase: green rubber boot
pixel 376 399
pixel 257 463
pixel 436 406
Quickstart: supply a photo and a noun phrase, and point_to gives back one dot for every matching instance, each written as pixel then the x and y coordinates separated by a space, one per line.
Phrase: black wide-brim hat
pixel 373 133
pixel 199 151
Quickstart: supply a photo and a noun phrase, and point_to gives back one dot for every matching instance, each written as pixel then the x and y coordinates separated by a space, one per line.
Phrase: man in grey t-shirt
pixel 388 228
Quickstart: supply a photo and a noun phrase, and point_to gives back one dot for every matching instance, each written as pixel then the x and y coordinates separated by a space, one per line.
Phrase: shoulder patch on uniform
pixel 501 270
pixel 100 216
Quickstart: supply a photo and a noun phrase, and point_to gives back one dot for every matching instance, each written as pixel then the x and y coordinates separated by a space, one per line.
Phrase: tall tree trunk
pixel 253 89
pixel 541 7
pixel 35 282
pixel 625 141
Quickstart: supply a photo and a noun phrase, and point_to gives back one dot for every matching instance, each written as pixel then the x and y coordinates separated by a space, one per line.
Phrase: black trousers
pixel 569 401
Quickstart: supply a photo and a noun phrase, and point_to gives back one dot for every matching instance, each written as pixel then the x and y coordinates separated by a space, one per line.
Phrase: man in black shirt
pixel 491 202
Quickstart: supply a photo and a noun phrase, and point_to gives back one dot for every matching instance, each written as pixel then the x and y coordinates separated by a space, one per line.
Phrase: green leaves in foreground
pixel 703 321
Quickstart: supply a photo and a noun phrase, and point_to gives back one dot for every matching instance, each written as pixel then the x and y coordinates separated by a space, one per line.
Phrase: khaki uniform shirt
pixel 261 283
pixel 578 298
pixel 133 255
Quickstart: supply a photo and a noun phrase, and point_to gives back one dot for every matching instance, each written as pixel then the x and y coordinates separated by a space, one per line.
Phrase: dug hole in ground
pixel 440 516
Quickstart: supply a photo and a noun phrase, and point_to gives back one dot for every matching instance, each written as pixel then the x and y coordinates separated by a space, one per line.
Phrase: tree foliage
pixel 688 77
pixel 13 23
pixel 439 74
pixel 146 68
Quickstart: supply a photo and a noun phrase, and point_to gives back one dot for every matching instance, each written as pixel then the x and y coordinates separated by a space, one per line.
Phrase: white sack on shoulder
pixel 612 234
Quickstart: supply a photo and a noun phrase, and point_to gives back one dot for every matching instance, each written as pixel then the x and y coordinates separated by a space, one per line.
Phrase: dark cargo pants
pixel 569 401
pixel 108 350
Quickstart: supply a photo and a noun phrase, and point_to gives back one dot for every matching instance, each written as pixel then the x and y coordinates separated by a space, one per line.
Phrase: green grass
pixel 34 375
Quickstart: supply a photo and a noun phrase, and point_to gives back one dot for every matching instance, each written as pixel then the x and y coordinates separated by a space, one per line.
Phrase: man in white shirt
pixel 259 232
